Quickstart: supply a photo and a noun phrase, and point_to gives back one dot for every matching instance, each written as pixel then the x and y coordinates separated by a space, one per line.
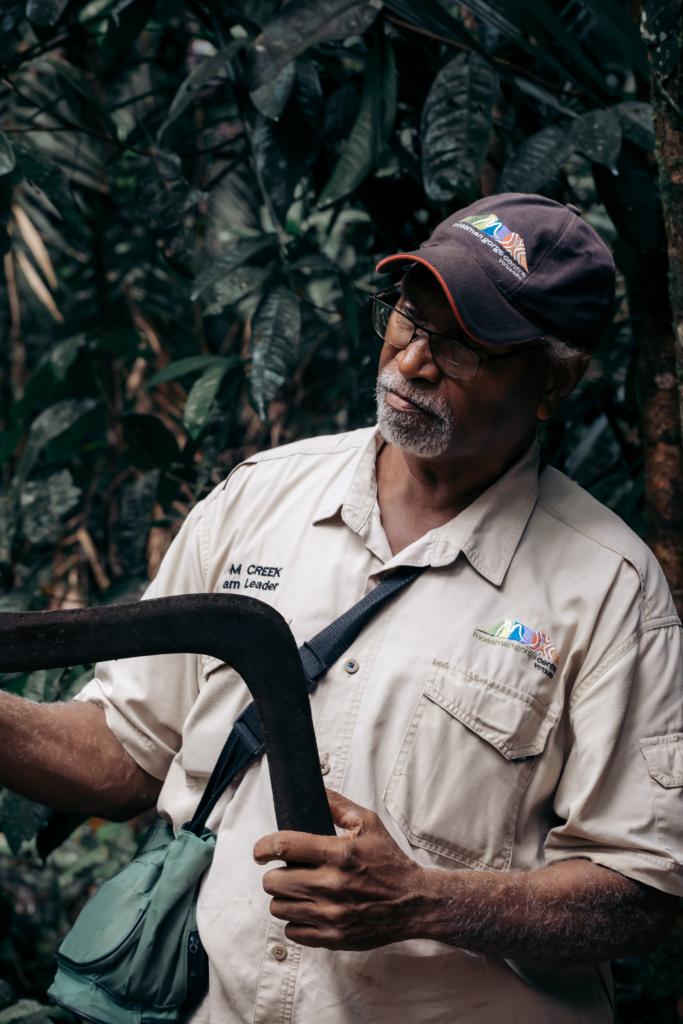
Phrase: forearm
pixel 572 912
pixel 65 755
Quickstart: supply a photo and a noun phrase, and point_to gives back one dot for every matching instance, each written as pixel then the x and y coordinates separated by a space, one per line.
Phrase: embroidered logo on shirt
pixel 534 643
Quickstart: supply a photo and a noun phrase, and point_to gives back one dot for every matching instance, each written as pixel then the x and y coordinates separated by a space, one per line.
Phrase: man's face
pixel 432 416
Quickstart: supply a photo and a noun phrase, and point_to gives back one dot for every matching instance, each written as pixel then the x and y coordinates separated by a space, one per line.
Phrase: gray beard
pixel 428 436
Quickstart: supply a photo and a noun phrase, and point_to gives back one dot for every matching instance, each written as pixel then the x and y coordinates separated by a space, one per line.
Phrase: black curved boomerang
pixel 246 634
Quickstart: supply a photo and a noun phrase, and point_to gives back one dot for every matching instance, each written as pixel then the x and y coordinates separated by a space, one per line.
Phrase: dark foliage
pixel 193 198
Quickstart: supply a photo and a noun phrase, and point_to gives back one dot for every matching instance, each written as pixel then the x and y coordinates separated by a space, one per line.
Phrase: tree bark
pixel 663 456
pixel 660 331
pixel 663 31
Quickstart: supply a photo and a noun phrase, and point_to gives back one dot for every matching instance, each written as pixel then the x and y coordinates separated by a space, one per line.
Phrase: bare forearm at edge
pixel 570 913
pixel 65 755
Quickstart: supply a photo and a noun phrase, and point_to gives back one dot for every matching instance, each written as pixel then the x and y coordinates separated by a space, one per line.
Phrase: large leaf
pixel 215 67
pixel 536 18
pixel 181 367
pixel 456 127
pixel 283 150
pixel 202 397
pixel 597 135
pixel 8 158
pixel 304 23
pixel 45 12
pixel 44 503
pixel 637 123
pixel 234 255
pixel 632 199
pixel 232 287
pixel 49 178
pixel 372 126
pixel 276 332
pixel 131 526
pixel 50 424
pixel 536 161
pixel 271 97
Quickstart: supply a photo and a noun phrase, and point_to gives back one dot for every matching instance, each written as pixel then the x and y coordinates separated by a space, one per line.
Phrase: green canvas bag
pixel 134 955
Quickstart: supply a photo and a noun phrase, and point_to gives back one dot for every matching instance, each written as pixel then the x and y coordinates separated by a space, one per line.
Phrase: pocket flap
pixel 664 756
pixel 512 721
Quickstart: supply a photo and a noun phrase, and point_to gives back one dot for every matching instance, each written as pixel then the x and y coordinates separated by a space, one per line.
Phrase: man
pixel 507 732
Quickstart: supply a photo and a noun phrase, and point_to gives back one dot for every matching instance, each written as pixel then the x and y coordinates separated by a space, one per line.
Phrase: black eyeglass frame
pixel 482 357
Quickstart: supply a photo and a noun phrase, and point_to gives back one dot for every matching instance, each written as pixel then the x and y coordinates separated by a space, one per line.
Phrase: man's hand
pixel 354 891
pixel 359 891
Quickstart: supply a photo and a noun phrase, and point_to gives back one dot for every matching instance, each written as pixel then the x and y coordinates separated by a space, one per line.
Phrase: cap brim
pixel 481 310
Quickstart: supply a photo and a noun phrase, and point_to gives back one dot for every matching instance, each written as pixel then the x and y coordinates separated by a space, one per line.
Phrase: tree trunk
pixel 660 333
pixel 662 27
pixel 663 456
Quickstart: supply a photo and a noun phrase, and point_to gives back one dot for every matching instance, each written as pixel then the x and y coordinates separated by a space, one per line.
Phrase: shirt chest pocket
pixel 464 765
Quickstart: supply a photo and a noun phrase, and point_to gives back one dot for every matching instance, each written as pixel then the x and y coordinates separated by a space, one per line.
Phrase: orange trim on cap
pixel 451 301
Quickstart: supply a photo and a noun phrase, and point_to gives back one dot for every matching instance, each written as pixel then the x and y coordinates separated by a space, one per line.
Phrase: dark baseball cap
pixel 516 266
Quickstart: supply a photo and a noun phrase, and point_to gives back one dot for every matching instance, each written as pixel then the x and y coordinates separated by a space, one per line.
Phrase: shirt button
pixel 325 765
pixel 351 666
pixel 279 952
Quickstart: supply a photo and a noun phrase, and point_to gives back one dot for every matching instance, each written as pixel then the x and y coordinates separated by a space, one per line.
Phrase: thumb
pixel 345 812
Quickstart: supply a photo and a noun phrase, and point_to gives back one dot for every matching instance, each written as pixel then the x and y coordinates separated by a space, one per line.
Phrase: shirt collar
pixel 487 532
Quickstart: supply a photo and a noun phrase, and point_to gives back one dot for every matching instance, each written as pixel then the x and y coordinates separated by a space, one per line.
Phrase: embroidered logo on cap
pixel 534 643
pixel 489 224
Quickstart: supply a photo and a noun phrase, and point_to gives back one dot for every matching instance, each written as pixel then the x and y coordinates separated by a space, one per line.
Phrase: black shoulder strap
pixel 245 742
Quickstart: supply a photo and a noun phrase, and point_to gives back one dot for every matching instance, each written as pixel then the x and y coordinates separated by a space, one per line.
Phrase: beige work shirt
pixel 518 704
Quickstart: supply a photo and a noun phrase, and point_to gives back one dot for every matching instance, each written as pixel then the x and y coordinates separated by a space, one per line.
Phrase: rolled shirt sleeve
pixel 620 798
pixel 146 700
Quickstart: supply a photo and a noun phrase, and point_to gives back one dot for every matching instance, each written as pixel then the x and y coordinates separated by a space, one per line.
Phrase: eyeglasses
pixel 453 356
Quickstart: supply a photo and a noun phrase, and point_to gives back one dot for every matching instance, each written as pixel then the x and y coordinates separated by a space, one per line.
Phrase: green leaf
pixel 372 126
pixel 181 367
pixel 45 12
pixel 44 503
pixel 8 158
pixel 539 21
pixel 233 256
pixel 8 530
pixel 284 149
pixel 271 97
pixel 217 66
pixel 305 23
pixel 20 820
pixel 456 128
pixel 48 425
pixel 597 135
pixel 276 332
pixel 61 356
pixel 201 399
pixel 632 199
pixel 49 179
pixel 27 1011
pixel 130 529
pixel 42 686
pixel 232 287
pixel 536 160
pixel 637 123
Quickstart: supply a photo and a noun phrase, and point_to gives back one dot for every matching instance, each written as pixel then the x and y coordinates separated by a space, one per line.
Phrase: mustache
pixel 389 380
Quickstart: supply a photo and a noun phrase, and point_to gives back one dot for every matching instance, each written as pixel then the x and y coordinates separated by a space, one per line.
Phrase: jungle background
pixel 193 198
